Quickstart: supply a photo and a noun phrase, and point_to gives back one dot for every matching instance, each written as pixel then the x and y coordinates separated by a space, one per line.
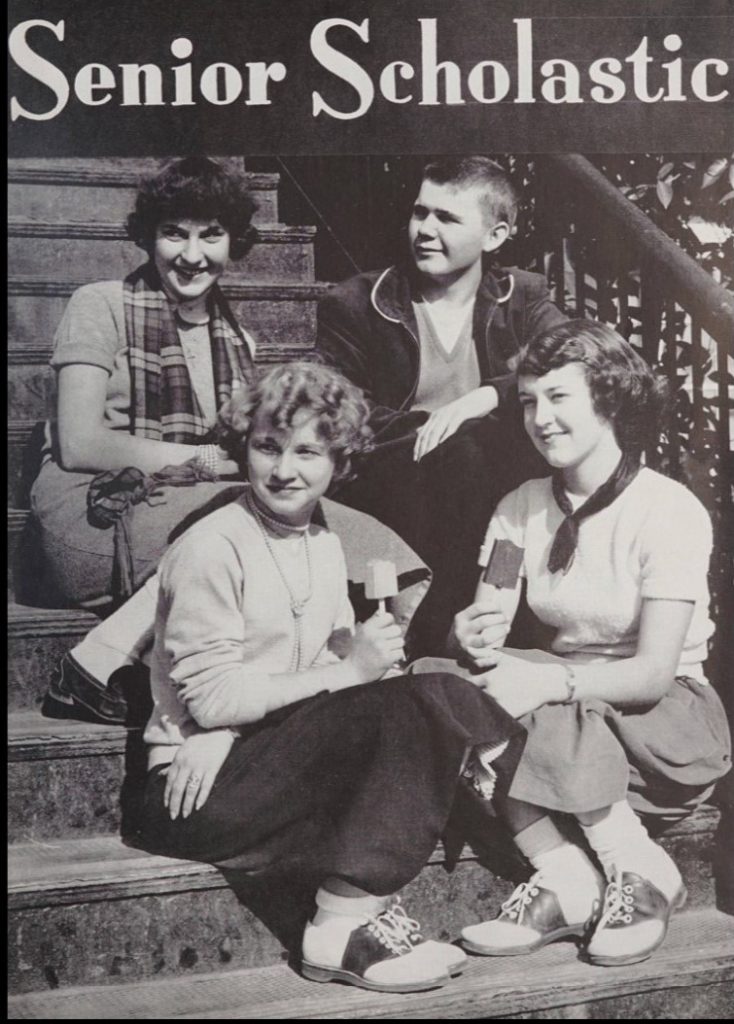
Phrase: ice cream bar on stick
pixel 503 565
pixel 381 582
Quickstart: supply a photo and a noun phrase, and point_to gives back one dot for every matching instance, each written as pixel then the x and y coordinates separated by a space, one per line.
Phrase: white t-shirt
pixel 653 541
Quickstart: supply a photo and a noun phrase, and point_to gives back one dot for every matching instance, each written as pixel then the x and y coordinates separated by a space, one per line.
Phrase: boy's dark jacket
pixel 367 329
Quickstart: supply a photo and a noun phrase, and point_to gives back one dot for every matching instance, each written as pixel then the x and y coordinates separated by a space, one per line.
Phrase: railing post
pixel 670 366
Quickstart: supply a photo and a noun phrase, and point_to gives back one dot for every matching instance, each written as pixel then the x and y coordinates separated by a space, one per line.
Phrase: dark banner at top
pixel 91 77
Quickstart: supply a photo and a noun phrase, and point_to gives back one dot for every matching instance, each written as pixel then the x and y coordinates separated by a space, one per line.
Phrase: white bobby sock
pixel 621 842
pixel 565 869
pixel 336 917
pixel 330 904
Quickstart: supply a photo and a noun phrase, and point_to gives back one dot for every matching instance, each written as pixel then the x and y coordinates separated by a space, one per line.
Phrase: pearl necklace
pixel 297 605
pixel 278 525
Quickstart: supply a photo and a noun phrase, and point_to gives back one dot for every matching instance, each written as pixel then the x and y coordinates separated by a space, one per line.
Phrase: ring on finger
pixel 194 780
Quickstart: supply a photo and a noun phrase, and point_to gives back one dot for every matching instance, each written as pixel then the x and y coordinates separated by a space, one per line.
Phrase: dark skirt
pixel 357 784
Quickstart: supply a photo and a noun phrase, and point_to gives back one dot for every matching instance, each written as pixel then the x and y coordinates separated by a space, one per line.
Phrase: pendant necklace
pixel 297 604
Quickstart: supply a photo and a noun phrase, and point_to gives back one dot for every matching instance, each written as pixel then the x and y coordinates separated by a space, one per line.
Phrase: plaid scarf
pixel 563 548
pixel 164 405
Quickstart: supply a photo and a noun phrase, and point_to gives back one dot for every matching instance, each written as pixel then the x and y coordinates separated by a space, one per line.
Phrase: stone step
pixel 68 779
pixel 281 318
pixel 95 911
pixel 72 189
pixel 81 248
pixel 690 977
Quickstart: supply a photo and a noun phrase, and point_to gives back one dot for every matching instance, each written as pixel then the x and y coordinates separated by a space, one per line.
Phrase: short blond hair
pixel 281 392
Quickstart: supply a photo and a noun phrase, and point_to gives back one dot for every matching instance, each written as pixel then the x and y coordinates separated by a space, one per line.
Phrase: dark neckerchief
pixel 563 548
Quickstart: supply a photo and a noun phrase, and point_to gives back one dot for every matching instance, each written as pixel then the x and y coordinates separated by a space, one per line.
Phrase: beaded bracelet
pixel 570 682
pixel 208 457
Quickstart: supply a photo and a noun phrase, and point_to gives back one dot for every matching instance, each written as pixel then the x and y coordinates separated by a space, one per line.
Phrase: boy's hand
pixel 445 421
pixel 479 630
pixel 377 646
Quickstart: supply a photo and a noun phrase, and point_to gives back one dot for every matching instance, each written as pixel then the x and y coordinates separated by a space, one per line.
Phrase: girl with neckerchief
pixel 285 740
pixel 621 721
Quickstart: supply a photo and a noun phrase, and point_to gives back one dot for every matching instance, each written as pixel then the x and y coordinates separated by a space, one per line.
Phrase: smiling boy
pixel 432 342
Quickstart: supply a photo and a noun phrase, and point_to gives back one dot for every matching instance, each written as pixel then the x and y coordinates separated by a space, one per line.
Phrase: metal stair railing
pixel 605 259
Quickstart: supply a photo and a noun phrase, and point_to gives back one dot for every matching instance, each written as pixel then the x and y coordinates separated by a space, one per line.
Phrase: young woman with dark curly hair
pixel 282 738
pixel 615 557
pixel 143 367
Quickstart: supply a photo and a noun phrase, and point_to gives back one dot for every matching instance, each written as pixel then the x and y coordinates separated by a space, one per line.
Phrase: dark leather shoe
pixel 74 693
pixel 634 921
pixel 530 918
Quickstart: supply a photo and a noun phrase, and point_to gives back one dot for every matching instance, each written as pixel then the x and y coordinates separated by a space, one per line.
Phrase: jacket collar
pixel 393 292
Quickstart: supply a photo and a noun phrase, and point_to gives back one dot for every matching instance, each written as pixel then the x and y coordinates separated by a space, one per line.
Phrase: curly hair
pixel 624 389
pixel 281 392
pixel 499 197
pixel 197 188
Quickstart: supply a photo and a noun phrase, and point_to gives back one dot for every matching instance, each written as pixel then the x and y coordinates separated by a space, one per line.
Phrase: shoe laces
pixel 395 929
pixel 522 897
pixel 619 902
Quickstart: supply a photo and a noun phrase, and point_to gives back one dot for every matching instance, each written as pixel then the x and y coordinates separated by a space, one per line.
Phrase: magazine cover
pixel 370 509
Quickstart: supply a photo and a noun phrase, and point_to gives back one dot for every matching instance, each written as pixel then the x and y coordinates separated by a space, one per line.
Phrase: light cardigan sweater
pixel 224 627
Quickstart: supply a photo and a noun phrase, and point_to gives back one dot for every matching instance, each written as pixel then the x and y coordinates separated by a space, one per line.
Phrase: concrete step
pixel 281 318
pixel 94 911
pixel 691 976
pixel 71 189
pixel 80 248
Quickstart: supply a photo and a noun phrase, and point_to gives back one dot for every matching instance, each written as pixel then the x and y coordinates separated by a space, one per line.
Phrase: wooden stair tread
pixel 22 227
pixel 115 173
pixel 50 866
pixel 22 618
pixel 33 737
pixel 697 952
pixel 28 284
pixel 53 871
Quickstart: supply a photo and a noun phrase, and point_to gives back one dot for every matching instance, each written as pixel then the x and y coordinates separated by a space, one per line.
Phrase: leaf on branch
pixel 716 377
pixel 665 170
pixel 714 171
pixel 665 193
